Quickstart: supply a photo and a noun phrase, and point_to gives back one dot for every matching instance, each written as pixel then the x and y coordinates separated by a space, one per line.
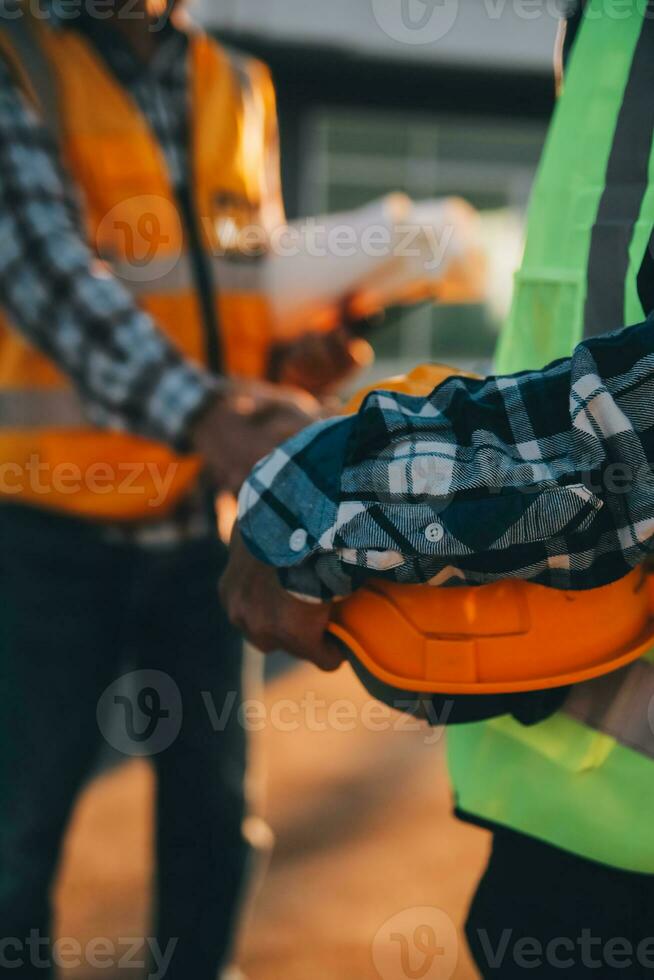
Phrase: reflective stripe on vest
pixel 159 278
pixel 582 780
pixel 41 408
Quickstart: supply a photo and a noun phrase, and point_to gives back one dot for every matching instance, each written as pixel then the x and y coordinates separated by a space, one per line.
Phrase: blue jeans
pixel 73 611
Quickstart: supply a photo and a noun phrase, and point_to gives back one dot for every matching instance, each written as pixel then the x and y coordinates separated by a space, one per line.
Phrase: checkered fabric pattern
pixel 127 373
pixel 544 475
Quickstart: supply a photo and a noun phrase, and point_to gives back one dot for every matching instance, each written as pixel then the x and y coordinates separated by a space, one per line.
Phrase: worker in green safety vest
pixel 576 782
pixel 569 889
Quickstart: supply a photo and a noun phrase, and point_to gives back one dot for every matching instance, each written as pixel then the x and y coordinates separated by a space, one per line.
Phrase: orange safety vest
pixel 50 455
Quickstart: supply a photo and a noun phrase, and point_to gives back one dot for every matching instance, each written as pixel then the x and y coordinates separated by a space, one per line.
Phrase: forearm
pixel 53 290
pixel 545 476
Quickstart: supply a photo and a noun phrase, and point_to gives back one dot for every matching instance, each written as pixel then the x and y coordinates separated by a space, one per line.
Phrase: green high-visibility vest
pixel 583 781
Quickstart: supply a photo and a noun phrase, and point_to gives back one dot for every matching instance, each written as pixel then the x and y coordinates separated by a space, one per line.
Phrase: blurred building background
pixel 457 102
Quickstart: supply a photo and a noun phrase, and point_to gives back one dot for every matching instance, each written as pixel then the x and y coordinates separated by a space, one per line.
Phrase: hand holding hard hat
pixel 507 638
pixel 477 648
pixel 271 618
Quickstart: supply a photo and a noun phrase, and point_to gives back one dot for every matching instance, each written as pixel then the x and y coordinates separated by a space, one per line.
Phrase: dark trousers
pixel 73 611
pixel 541 912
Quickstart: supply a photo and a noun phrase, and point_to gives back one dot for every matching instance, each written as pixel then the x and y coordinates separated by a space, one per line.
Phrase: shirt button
pixel 435 532
pixel 298 539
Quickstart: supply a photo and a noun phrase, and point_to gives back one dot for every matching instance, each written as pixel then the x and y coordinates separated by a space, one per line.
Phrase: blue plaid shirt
pixel 128 374
pixel 543 475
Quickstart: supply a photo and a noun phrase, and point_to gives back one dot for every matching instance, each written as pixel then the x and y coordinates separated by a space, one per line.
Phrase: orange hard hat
pixel 501 638
pixel 507 637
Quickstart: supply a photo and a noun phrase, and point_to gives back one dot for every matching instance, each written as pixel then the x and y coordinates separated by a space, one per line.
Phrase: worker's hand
pixel 317 361
pixel 272 619
pixel 245 423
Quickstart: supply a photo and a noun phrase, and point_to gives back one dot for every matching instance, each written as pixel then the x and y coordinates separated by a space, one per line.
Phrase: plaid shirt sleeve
pixel 544 475
pixel 73 310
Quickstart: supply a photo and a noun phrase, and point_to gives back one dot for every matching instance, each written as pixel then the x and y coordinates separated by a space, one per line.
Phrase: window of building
pixel 352 157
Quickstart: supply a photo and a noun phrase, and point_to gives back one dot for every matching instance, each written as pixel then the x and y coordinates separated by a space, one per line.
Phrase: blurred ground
pixel 364 833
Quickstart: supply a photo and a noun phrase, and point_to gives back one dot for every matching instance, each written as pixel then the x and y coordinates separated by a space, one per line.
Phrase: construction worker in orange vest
pixel 133 150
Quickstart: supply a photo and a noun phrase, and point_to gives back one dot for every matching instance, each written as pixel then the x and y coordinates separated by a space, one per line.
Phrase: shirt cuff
pixel 180 397
pixel 289 504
